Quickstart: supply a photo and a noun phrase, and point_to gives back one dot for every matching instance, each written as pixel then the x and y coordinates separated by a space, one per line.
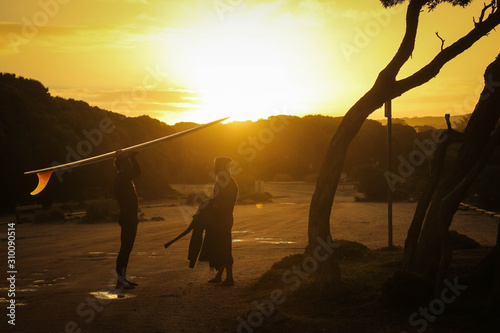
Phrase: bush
pixel 350 250
pixel 371 183
pixel 101 210
pixel 289 261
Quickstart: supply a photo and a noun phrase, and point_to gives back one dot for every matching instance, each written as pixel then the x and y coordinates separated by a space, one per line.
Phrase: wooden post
pixel 388 114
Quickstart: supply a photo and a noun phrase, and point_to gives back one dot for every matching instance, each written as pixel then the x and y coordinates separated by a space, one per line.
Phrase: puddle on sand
pixel 96 254
pixel 270 240
pixel 151 255
pixel 273 240
pixel 39 283
pixel 110 294
pixel 242 232
pixel 22 290
pixel 50 282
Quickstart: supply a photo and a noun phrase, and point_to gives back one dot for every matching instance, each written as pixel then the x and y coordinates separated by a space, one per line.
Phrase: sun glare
pixel 243 78
pixel 246 74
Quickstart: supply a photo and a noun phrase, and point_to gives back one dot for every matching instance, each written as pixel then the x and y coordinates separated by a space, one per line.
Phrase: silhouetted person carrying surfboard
pixel 124 190
pixel 215 216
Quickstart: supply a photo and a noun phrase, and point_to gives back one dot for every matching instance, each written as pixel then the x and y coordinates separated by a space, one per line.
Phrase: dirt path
pixel 62 267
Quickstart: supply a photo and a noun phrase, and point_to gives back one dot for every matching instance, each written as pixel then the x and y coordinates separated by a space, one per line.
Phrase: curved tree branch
pixel 408 43
pixel 429 71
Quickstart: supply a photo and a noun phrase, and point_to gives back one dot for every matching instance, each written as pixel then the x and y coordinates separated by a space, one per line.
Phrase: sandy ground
pixel 65 270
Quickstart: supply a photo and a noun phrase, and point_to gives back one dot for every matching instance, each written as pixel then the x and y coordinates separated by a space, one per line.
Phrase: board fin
pixel 43 179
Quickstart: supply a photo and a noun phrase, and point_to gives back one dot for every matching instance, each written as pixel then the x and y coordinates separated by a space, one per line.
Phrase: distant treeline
pixel 39 130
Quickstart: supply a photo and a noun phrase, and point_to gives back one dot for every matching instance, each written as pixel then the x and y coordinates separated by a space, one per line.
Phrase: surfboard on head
pixel 45 173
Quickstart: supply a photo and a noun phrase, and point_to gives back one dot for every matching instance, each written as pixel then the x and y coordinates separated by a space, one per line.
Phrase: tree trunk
pixel 433 254
pixel 446 138
pixel 495 288
pixel 386 87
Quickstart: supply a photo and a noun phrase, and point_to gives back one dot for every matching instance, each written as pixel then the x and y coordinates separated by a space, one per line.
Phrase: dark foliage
pixel 37 129
pixel 431 4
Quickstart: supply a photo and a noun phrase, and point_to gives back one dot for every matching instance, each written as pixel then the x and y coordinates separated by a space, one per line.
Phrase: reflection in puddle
pixel 152 254
pixel 26 290
pixel 110 295
pixel 242 232
pixel 99 255
pixel 39 283
pixel 270 240
pixel 273 240
pixel 96 254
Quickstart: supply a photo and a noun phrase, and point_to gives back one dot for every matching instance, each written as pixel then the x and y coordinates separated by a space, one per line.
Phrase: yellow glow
pixel 188 61
pixel 248 71
pixel 243 78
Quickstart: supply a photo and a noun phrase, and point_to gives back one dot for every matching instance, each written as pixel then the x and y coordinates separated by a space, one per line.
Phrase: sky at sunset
pixel 200 60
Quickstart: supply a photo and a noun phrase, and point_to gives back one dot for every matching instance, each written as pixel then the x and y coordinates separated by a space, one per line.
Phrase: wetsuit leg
pixel 128 233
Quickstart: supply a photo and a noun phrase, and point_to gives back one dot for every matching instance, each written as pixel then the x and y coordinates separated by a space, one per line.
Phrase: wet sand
pixel 65 271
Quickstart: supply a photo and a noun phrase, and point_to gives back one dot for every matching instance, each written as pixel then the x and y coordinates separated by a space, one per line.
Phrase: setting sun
pixel 248 72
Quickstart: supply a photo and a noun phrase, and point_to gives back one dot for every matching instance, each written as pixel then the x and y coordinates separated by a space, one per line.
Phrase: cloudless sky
pixel 199 60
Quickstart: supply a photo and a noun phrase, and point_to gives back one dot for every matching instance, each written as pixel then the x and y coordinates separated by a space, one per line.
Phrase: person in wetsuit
pixel 218 222
pixel 125 194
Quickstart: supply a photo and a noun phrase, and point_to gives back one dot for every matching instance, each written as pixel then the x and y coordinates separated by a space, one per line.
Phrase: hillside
pixel 38 130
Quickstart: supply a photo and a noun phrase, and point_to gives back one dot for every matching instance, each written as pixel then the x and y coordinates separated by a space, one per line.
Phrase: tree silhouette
pixel 385 88
pixel 428 248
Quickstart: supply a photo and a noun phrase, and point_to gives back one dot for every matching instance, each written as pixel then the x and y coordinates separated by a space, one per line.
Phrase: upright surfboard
pixel 44 174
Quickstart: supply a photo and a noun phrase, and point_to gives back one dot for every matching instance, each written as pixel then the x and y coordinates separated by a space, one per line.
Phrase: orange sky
pixel 198 60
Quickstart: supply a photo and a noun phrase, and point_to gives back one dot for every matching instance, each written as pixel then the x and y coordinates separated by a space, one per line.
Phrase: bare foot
pixel 216 279
pixel 227 283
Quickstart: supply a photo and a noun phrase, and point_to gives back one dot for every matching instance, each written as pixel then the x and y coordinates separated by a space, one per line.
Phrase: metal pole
pixel 388 114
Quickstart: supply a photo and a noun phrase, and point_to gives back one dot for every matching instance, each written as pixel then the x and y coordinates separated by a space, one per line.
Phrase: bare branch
pixel 493 7
pixel 442 40
pixel 434 66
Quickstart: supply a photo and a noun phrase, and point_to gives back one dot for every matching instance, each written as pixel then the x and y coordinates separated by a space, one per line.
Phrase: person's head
pixel 222 164
pixel 124 166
